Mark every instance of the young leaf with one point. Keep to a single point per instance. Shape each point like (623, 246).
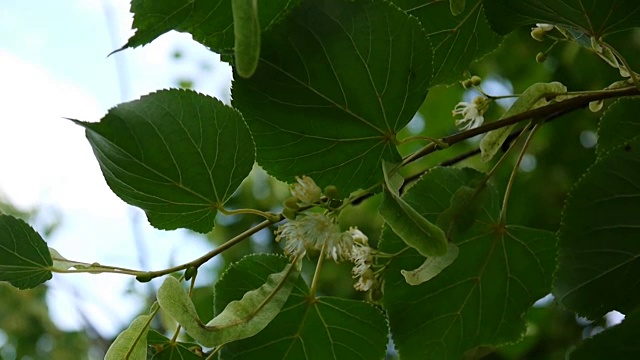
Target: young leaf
(431, 267)
(306, 328)
(531, 98)
(481, 298)
(416, 231)
(176, 154)
(131, 344)
(337, 80)
(597, 19)
(240, 319)
(25, 261)
(246, 30)
(457, 41)
(599, 247)
(619, 124)
(210, 22)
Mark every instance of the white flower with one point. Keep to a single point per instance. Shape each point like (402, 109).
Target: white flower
(540, 31)
(543, 26)
(365, 282)
(362, 258)
(306, 190)
(472, 113)
(314, 232)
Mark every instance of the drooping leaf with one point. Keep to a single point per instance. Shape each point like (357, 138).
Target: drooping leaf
(307, 327)
(336, 81)
(210, 22)
(416, 231)
(594, 17)
(481, 298)
(600, 237)
(531, 98)
(162, 348)
(431, 267)
(246, 31)
(457, 39)
(176, 154)
(131, 344)
(619, 124)
(25, 261)
(240, 319)
(618, 342)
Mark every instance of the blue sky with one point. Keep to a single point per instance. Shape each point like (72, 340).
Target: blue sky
(54, 64)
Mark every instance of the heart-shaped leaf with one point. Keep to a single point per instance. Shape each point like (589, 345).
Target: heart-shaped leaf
(176, 154)
(25, 261)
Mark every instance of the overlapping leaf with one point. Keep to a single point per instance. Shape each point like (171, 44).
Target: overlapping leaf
(480, 298)
(131, 344)
(618, 342)
(210, 22)
(600, 237)
(162, 348)
(176, 154)
(307, 328)
(25, 261)
(457, 40)
(619, 124)
(336, 81)
(593, 17)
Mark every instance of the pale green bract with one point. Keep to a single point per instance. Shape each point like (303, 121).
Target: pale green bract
(131, 344)
(240, 319)
(246, 29)
(431, 267)
(531, 98)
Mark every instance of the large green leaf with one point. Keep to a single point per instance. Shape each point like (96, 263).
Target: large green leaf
(210, 22)
(618, 342)
(162, 348)
(457, 40)
(481, 298)
(593, 17)
(176, 154)
(240, 319)
(25, 260)
(306, 328)
(600, 237)
(619, 124)
(337, 80)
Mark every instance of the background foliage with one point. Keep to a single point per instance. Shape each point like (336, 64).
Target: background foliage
(342, 86)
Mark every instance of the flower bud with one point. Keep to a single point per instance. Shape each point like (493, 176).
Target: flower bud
(596, 106)
(331, 192)
(466, 83)
(190, 273)
(289, 213)
(475, 80)
(291, 203)
(541, 57)
(538, 34)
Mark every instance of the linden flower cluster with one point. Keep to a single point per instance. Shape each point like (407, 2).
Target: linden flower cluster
(320, 232)
(472, 113)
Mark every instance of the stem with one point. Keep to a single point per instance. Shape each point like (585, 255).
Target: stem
(316, 274)
(423, 137)
(507, 192)
(264, 214)
(549, 112)
(214, 352)
(208, 256)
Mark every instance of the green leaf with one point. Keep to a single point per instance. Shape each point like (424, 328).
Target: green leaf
(25, 261)
(162, 348)
(246, 30)
(531, 98)
(431, 267)
(240, 319)
(618, 342)
(594, 17)
(131, 344)
(210, 22)
(599, 247)
(176, 154)
(457, 40)
(456, 6)
(416, 231)
(336, 82)
(306, 328)
(482, 297)
(619, 124)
